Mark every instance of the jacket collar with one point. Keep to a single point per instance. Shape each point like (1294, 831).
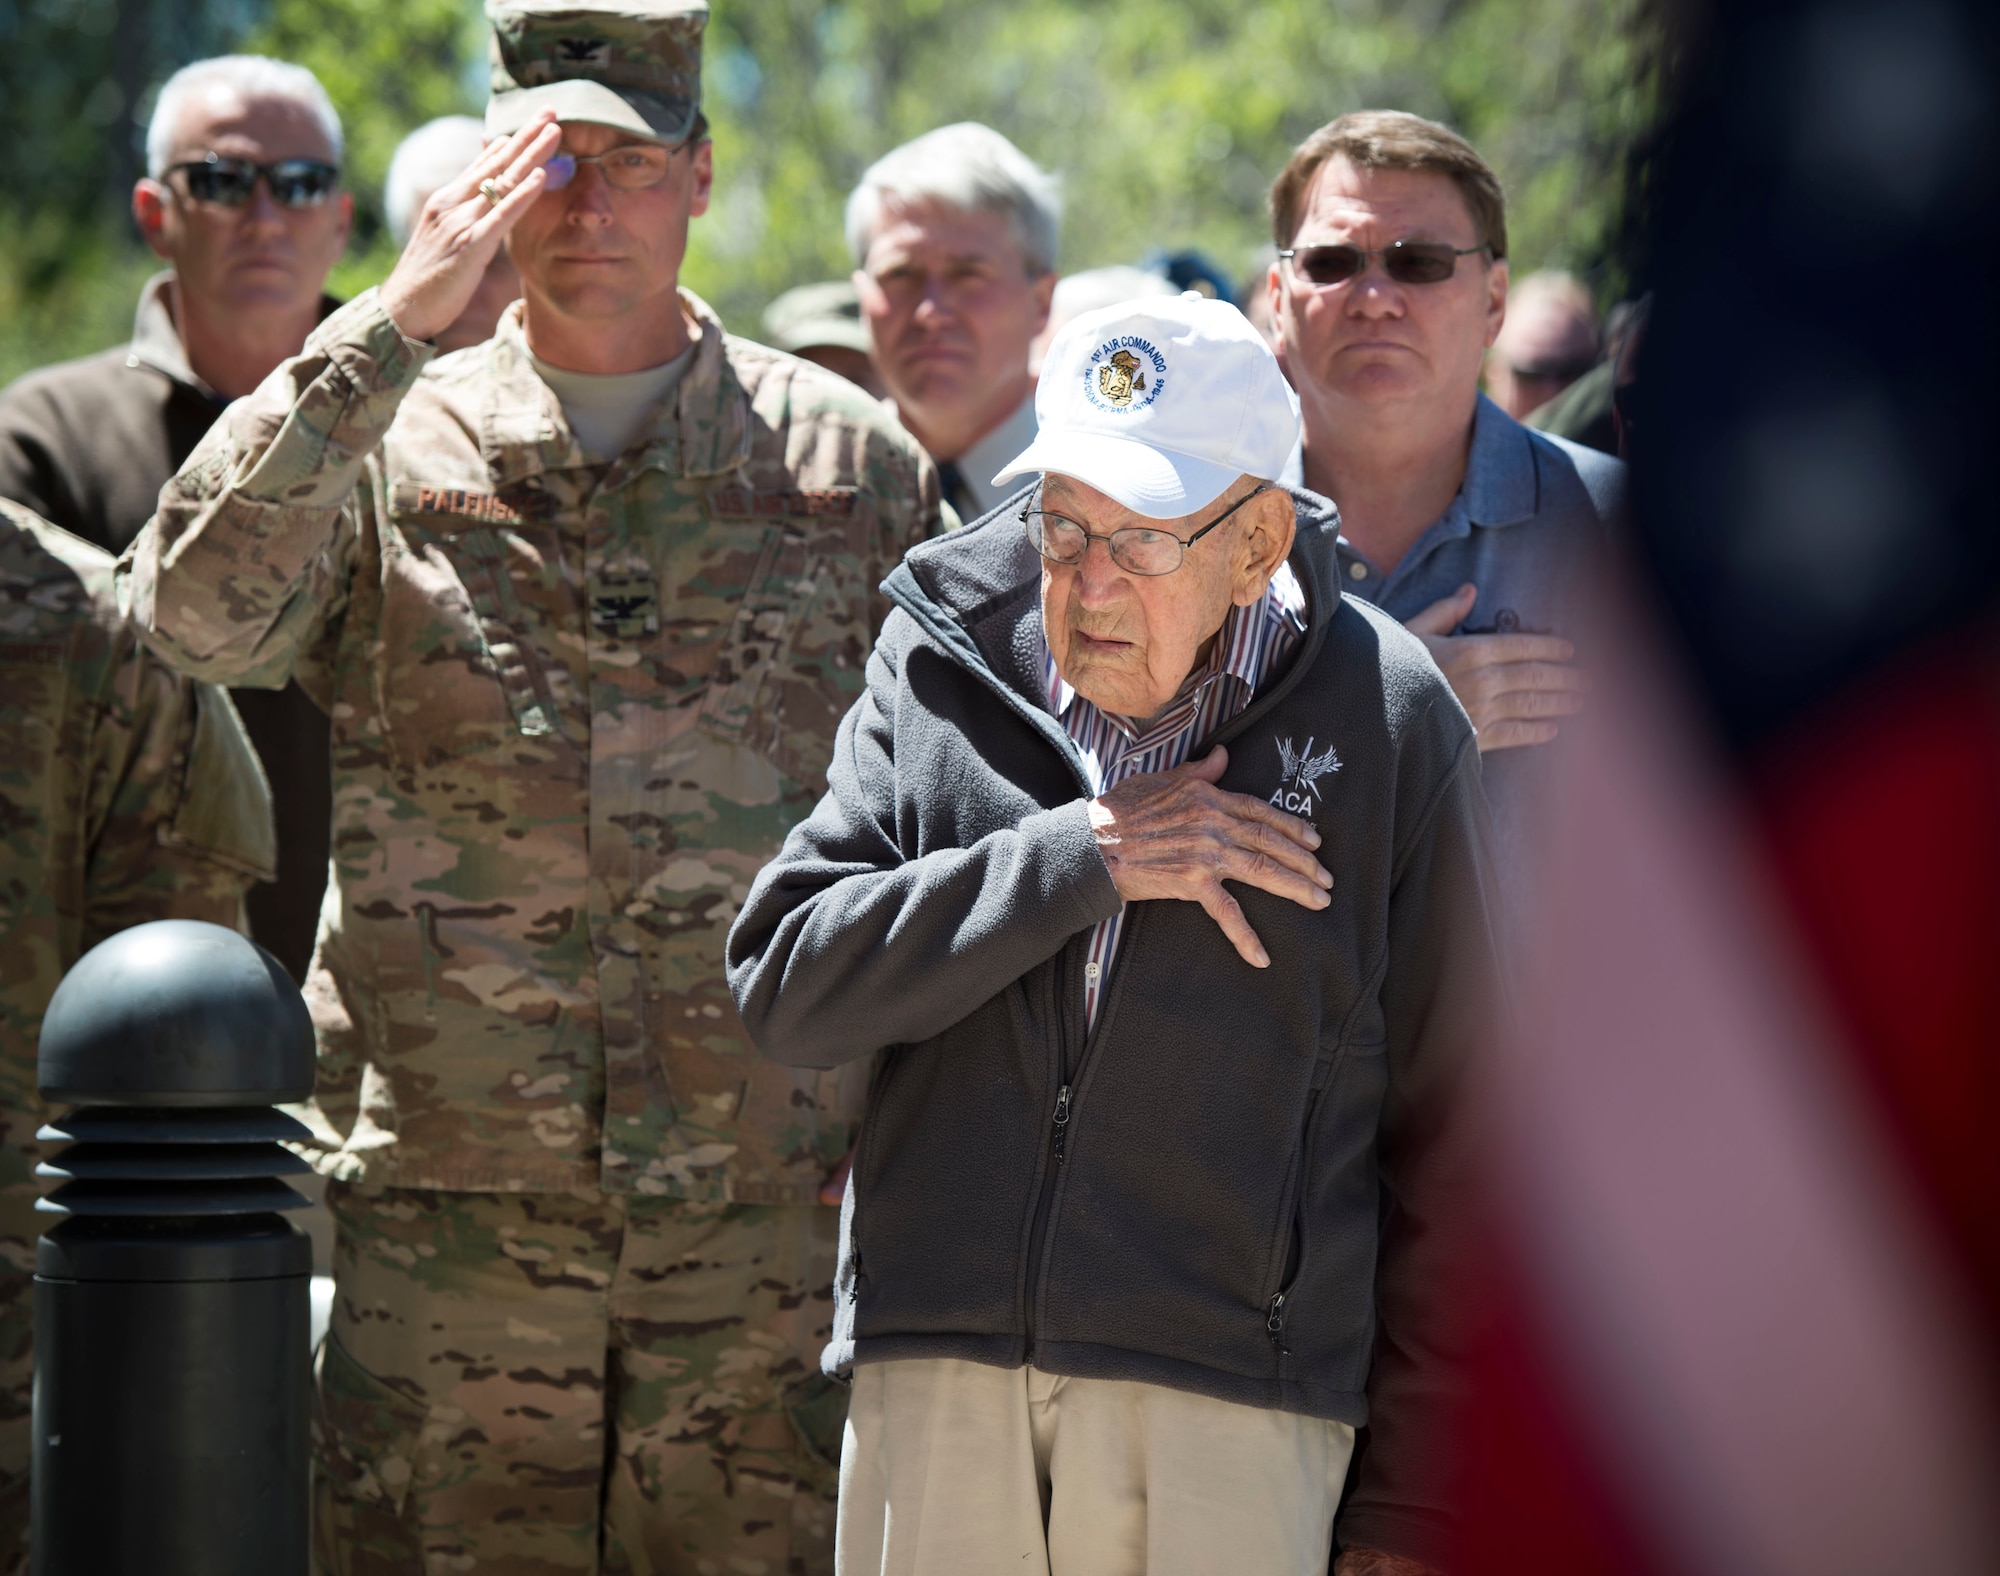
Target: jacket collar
(156, 343)
(703, 430)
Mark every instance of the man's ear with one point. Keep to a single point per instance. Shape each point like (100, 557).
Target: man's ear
(1496, 300)
(346, 219)
(1274, 285)
(703, 178)
(1269, 525)
(149, 212)
(1045, 295)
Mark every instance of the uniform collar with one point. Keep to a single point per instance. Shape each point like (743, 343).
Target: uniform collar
(701, 429)
(156, 343)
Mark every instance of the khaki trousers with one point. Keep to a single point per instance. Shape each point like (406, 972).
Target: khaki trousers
(953, 1468)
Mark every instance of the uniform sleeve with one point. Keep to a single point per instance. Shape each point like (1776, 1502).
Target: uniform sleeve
(179, 813)
(246, 564)
(1441, 998)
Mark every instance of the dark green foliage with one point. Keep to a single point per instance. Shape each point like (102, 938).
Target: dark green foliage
(1167, 118)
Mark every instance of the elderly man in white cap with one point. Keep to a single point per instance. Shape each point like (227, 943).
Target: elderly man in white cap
(1153, 877)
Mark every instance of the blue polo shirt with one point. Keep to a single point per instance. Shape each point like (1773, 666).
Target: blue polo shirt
(1531, 514)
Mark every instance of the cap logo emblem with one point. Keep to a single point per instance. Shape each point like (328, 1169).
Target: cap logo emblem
(1124, 374)
(583, 51)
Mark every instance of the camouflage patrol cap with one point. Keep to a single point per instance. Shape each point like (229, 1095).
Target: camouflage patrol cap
(632, 64)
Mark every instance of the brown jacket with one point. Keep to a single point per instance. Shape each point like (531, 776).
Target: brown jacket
(88, 444)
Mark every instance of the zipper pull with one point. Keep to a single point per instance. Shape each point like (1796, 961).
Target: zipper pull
(1274, 1322)
(1061, 1119)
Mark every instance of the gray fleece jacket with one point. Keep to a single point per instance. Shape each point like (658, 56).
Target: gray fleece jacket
(1239, 1182)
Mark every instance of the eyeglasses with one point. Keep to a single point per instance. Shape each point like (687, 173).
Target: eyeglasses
(1406, 262)
(631, 166)
(293, 183)
(1138, 549)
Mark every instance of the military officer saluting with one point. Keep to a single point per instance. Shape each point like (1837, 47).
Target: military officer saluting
(585, 603)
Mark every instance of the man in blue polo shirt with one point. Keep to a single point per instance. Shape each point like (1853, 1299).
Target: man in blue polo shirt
(1390, 284)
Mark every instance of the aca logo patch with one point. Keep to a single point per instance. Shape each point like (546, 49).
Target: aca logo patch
(1124, 374)
(1299, 772)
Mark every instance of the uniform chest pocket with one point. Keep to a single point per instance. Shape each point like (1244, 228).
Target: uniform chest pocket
(503, 631)
(742, 704)
(466, 595)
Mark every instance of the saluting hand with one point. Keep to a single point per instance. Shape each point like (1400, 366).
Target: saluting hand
(1511, 686)
(461, 227)
(1175, 834)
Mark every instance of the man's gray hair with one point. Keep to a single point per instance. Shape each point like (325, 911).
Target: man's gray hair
(967, 166)
(438, 151)
(249, 77)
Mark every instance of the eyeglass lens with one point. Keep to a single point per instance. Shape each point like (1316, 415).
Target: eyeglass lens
(632, 167)
(1406, 262)
(294, 183)
(1142, 551)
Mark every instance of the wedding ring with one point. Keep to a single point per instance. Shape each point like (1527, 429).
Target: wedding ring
(490, 190)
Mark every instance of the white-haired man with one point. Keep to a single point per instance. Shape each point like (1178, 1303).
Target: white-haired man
(954, 240)
(1152, 880)
(438, 151)
(242, 198)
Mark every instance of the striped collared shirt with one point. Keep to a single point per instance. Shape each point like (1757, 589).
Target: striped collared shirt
(1253, 640)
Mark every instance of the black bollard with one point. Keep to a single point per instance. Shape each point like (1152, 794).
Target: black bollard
(172, 1376)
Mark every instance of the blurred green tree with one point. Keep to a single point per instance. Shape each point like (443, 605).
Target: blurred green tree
(388, 66)
(1167, 119)
(77, 83)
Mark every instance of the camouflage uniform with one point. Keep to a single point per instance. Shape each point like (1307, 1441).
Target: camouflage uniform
(126, 794)
(576, 707)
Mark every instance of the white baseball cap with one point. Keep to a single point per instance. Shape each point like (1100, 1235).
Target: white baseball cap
(1161, 404)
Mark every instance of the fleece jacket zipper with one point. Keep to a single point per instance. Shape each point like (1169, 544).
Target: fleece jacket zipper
(939, 622)
(1059, 1119)
(903, 589)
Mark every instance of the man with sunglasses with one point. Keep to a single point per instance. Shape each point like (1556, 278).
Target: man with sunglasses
(586, 603)
(242, 199)
(1152, 878)
(1389, 287)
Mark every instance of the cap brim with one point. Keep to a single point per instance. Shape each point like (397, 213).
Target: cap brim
(647, 115)
(1157, 483)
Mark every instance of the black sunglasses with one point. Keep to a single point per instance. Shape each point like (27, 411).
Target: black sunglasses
(1406, 262)
(294, 183)
(1137, 549)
